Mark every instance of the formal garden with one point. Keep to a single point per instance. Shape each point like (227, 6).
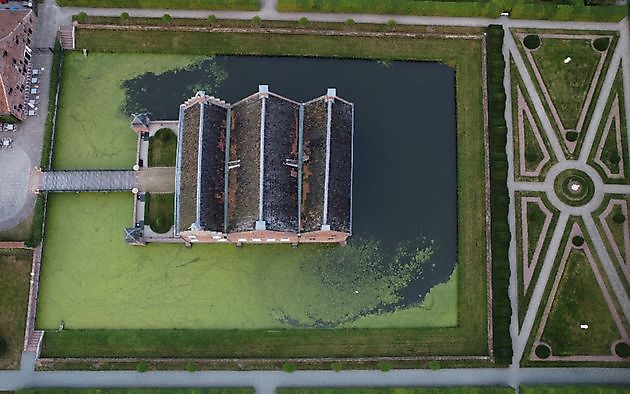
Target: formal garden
(571, 197)
(189, 301)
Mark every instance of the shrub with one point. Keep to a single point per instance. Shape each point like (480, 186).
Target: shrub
(601, 44)
(256, 21)
(192, 367)
(577, 240)
(124, 17)
(619, 218)
(384, 366)
(142, 367)
(434, 365)
(622, 349)
(543, 351)
(337, 367)
(391, 24)
(571, 136)
(531, 41)
(350, 22)
(3, 346)
(212, 19)
(82, 17)
(166, 18)
(303, 21)
(289, 367)
(614, 158)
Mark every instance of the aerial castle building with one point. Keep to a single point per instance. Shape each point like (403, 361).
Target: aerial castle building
(265, 169)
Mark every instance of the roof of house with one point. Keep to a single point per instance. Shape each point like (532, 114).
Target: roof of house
(16, 29)
(284, 166)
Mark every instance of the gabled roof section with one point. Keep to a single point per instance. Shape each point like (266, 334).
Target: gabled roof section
(244, 175)
(280, 200)
(314, 164)
(340, 168)
(187, 166)
(212, 170)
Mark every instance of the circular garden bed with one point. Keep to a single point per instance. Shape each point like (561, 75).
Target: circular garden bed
(574, 187)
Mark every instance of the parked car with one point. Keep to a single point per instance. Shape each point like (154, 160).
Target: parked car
(27, 4)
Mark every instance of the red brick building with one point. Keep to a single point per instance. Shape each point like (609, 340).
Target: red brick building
(16, 42)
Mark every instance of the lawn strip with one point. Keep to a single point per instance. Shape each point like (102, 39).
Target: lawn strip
(239, 5)
(163, 148)
(490, 9)
(396, 390)
(159, 210)
(15, 272)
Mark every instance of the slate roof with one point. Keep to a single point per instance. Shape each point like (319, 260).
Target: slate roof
(273, 143)
(16, 32)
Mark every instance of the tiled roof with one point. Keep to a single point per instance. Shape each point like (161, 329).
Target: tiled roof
(287, 163)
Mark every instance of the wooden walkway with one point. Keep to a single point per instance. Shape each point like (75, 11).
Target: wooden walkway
(152, 180)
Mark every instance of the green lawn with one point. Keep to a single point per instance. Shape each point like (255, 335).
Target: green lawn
(397, 390)
(92, 132)
(159, 211)
(568, 83)
(108, 284)
(163, 148)
(15, 272)
(611, 155)
(579, 300)
(574, 390)
(533, 153)
(239, 390)
(241, 5)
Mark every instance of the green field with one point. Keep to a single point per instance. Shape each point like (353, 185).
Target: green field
(242, 5)
(108, 284)
(15, 272)
(238, 390)
(92, 132)
(574, 390)
(397, 390)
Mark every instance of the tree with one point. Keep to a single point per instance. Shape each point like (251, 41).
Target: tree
(391, 24)
(124, 17)
(303, 21)
(256, 20)
(350, 22)
(3, 346)
(212, 19)
(82, 17)
(166, 18)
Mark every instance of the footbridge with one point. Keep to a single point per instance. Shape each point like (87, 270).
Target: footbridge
(154, 180)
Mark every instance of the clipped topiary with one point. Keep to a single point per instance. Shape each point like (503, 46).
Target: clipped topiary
(142, 367)
(619, 218)
(192, 367)
(577, 240)
(256, 21)
(391, 24)
(124, 17)
(571, 136)
(82, 17)
(212, 19)
(167, 18)
(337, 367)
(3, 346)
(531, 41)
(350, 22)
(384, 366)
(614, 158)
(601, 44)
(622, 349)
(543, 351)
(289, 367)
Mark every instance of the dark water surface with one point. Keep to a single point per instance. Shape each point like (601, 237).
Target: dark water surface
(405, 181)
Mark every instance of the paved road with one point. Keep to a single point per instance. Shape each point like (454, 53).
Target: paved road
(266, 381)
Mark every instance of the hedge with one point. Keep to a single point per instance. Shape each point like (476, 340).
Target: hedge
(502, 310)
(486, 9)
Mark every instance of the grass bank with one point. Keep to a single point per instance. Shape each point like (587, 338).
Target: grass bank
(231, 390)
(15, 272)
(486, 9)
(396, 390)
(237, 5)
